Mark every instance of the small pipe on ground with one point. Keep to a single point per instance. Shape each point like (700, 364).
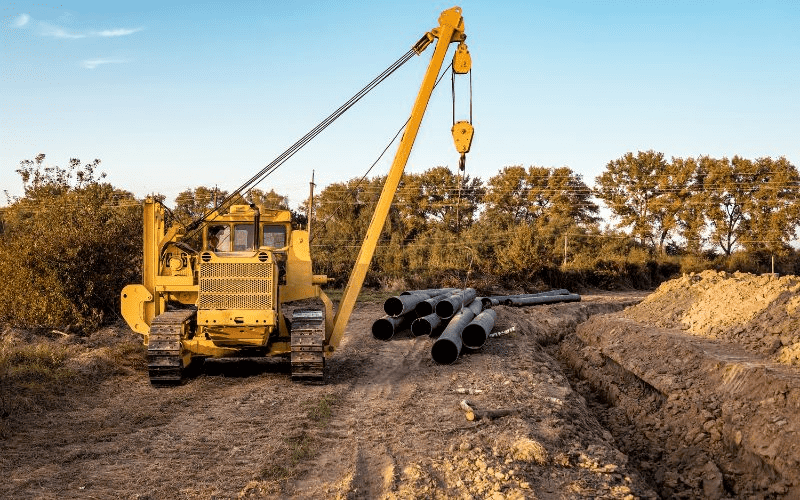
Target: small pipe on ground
(447, 347)
(542, 299)
(475, 334)
(426, 325)
(449, 306)
(504, 332)
(385, 327)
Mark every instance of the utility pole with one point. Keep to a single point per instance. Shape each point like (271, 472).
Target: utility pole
(565, 250)
(310, 210)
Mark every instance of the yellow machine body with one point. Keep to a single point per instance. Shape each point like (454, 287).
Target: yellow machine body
(225, 298)
(236, 284)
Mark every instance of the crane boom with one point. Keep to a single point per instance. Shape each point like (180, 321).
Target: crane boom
(450, 29)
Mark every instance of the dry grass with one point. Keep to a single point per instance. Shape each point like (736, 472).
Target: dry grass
(39, 369)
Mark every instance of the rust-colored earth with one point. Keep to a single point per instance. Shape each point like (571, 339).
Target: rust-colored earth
(659, 400)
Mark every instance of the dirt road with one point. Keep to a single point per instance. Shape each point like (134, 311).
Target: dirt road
(387, 425)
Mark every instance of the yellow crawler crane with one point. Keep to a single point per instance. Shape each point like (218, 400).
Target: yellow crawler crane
(226, 298)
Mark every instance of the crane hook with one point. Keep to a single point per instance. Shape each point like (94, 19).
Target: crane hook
(462, 137)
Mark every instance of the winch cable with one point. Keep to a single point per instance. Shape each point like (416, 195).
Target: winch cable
(294, 148)
(354, 190)
(461, 167)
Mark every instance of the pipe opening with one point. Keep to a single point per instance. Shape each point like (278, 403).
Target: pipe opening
(393, 306)
(424, 308)
(473, 336)
(421, 326)
(444, 352)
(382, 329)
(445, 309)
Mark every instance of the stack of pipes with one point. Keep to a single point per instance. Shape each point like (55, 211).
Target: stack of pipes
(467, 319)
(398, 310)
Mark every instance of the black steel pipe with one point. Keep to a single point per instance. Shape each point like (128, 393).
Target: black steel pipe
(489, 302)
(501, 298)
(403, 304)
(543, 299)
(430, 292)
(447, 347)
(476, 306)
(387, 326)
(426, 325)
(427, 307)
(475, 334)
(450, 306)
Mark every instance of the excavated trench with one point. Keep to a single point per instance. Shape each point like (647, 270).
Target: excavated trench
(697, 417)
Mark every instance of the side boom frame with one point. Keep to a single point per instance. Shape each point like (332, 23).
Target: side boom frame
(451, 29)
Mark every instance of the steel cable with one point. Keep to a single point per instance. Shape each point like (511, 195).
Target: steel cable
(294, 148)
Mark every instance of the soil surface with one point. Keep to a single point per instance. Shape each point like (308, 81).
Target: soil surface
(686, 395)
(700, 384)
(387, 425)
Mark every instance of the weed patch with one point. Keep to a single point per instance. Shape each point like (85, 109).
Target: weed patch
(321, 412)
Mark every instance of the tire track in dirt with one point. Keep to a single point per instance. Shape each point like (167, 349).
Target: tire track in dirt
(368, 403)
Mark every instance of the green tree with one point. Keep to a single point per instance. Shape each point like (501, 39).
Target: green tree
(772, 210)
(70, 244)
(730, 186)
(686, 185)
(192, 204)
(637, 190)
(521, 196)
(438, 198)
(268, 199)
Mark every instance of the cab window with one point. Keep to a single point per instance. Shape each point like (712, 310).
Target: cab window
(219, 238)
(242, 237)
(274, 236)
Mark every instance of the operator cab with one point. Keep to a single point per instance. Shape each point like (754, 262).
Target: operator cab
(235, 231)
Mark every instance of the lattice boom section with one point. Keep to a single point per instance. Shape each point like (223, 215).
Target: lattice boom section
(236, 285)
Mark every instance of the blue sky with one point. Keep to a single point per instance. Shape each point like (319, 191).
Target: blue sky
(172, 95)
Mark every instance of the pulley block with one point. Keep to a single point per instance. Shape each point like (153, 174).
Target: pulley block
(462, 136)
(462, 62)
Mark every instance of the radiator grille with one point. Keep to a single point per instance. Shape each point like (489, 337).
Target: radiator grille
(235, 285)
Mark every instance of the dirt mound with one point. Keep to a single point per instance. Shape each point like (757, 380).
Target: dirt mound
(760, 313)
(699, 385)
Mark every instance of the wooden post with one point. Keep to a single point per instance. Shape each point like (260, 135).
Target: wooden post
(310, 211)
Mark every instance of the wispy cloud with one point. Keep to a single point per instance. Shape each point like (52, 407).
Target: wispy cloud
(93, 63)
(22, 20)
(47, 29)
(117, 32)
(57, 32)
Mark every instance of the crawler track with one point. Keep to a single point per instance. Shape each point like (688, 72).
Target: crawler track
(308, 338)
(164, 350)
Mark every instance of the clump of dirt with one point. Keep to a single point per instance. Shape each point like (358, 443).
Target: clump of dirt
(760, 313)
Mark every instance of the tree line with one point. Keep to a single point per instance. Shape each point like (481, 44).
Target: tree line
(73, 240)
